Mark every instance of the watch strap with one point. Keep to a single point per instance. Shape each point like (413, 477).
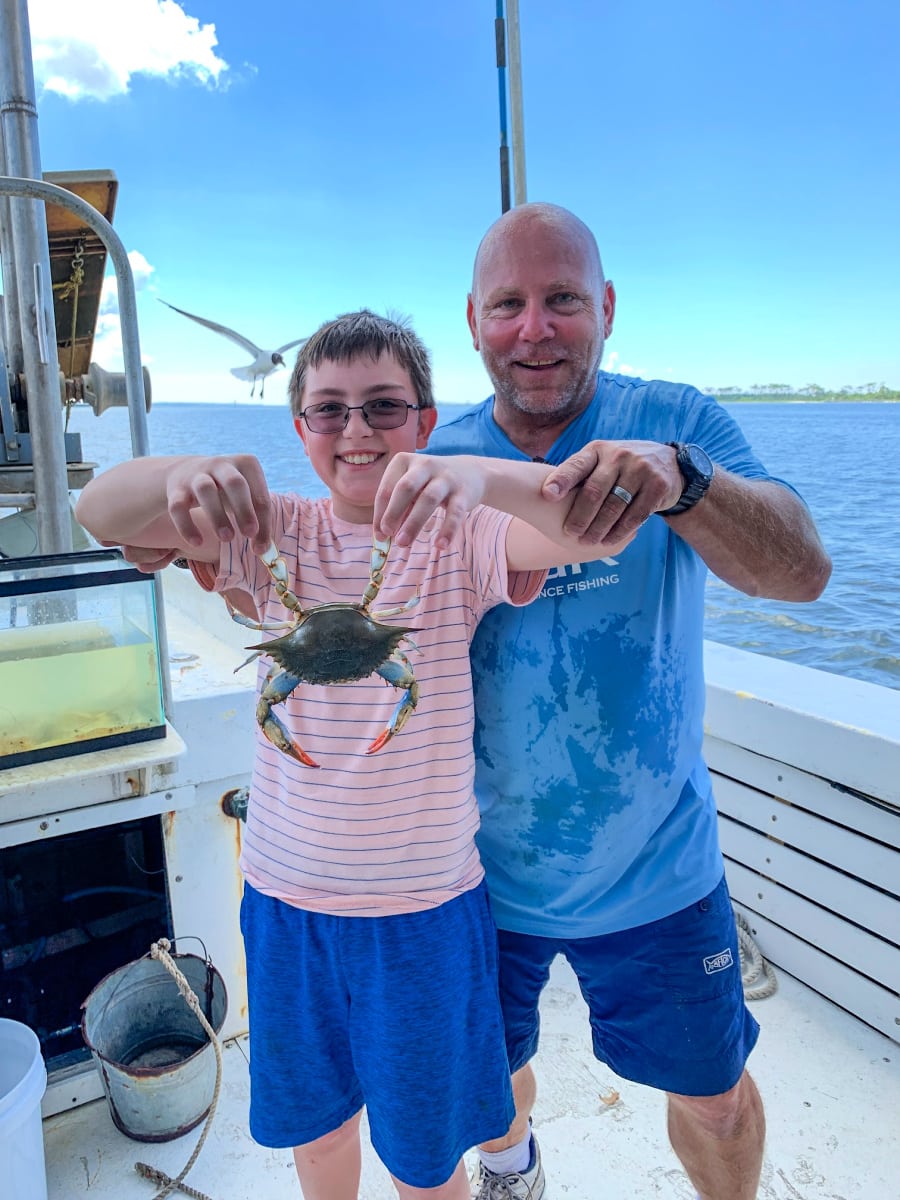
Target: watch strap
(695, 485)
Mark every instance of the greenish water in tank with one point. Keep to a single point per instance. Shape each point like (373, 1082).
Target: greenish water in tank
(79, 657)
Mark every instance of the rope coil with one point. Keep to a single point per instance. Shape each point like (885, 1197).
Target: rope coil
(757, 976)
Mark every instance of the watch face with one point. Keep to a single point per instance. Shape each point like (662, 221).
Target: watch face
(700, 460)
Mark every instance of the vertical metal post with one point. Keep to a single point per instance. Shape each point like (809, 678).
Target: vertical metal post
(33, 283)
(517, 122)
(11, 329)
(500, 39)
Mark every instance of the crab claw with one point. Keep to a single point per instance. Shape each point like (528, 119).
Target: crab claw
(382, 740)
(400, 674)
(279, 736)
(277, 688)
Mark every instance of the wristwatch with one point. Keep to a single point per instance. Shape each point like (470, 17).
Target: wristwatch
(697, 470)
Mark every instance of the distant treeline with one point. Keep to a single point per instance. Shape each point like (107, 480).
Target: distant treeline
(812, 391)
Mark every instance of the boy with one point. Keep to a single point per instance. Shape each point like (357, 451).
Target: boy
(399, 1011)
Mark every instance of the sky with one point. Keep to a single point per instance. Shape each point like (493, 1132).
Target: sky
(283, 161)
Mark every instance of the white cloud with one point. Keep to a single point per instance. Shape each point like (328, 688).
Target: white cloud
(615, 367)
(107, 350)
(92, 48)
(140, 269)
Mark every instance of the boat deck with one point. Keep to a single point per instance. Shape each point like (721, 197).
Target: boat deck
(831, 1086)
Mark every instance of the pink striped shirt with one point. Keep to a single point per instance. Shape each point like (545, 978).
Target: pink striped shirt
(391, 832)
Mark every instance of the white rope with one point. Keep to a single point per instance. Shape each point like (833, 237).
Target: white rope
(757, 976)
(160, 951)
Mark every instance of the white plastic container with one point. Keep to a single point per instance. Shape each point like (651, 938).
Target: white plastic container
(23, 1080)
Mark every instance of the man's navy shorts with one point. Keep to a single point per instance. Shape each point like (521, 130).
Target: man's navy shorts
(666, 999)
(398, 1013)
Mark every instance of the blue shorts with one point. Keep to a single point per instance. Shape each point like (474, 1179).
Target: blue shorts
(398, 1013)
(666, 999)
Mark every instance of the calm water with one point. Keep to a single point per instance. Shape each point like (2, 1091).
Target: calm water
(843, 458)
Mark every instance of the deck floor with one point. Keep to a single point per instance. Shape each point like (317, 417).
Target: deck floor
(831, 1087)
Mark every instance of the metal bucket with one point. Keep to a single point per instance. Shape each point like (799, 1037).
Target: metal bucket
(155, 1060)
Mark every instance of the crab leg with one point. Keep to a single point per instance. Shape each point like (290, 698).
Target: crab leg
(381, 548)
(277, 688)
(277, 568)
(250, 624)
(395, 612)
(398, 672)
(264, 625)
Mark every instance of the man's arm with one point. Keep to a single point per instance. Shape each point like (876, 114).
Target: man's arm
(186, 504)
(754, 534)
(758, 536)
(415, 485)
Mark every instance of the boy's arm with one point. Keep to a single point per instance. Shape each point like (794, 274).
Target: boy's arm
(188, 504)
(415, 485)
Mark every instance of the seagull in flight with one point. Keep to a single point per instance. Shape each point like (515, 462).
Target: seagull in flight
(264, 361)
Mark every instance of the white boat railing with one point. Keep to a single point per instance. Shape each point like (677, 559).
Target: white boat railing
(809, 808)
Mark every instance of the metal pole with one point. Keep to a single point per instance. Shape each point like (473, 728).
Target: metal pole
(11, 328)
(500, 39)
(131, 352)
(33, 283)
(517, 123)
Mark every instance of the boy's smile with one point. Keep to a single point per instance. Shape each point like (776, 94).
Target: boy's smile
(351, 461)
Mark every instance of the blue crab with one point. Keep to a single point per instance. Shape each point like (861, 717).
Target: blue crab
(332, 643)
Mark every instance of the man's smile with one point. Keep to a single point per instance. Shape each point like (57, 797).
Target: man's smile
(538, 364)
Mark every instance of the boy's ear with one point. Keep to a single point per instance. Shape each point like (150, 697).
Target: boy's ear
(300, 426)
(427, 421)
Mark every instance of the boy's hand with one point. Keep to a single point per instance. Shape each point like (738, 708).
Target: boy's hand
(148, 560)
(414, 486)
(144, 558)
(232, 493)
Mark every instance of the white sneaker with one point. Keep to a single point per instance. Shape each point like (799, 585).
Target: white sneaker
(529, 1185)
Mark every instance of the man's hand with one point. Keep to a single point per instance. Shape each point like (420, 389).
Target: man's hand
(647, 471)
(414, 486)
(231, 492)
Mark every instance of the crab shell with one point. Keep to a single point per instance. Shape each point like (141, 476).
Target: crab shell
(335, 643)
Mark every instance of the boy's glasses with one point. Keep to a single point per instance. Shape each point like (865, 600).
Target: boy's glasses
(332, 417)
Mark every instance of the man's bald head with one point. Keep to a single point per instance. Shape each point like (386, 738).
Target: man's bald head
(524, 221)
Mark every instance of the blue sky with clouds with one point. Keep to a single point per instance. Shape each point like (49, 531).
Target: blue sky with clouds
(283, 161)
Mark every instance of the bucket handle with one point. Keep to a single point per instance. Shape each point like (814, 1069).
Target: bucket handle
(210, 977)
(189, 937)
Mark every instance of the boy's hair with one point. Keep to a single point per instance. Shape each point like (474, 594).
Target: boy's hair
(364, 334)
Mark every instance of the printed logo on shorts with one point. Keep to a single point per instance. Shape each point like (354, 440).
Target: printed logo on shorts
(718, 962)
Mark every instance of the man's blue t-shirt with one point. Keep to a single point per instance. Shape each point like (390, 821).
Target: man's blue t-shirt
(596, 806)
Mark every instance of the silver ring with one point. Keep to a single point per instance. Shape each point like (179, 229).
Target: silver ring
(624, 495)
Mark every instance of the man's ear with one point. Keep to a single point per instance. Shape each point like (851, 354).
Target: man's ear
(300, 426)
(427, 421)
(609, 308)
(473, 324)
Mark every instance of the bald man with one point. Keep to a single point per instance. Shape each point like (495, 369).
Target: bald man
(599, 830)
